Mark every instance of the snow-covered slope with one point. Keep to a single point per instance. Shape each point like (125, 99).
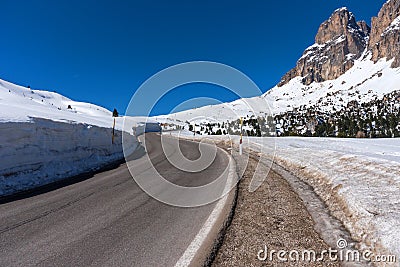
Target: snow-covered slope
(221, 112)
(363, 82)
(21, 104)
(45, 137)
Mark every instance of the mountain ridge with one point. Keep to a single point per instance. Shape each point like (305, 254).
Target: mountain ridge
(341, 39)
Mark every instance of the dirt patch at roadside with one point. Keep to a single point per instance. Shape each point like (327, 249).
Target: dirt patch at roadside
(273, 216)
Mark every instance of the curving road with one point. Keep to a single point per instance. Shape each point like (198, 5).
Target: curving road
(107, 220)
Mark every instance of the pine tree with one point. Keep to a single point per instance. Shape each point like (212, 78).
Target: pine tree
(115, 113)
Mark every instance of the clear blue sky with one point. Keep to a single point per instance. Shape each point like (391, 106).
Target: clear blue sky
(102, 51)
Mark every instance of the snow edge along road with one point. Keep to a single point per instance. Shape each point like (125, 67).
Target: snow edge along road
(43, 152)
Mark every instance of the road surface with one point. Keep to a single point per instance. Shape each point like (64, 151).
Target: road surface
(106, 220)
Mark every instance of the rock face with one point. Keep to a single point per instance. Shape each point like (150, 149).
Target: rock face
(339, 41)
(385, 34)
(364, 27)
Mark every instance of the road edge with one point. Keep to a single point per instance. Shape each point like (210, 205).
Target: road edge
(203, 248)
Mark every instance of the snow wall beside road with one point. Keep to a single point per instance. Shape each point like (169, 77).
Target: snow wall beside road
(43, 151)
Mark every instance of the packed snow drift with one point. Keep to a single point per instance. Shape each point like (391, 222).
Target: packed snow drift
(358, 179)
(45, 137)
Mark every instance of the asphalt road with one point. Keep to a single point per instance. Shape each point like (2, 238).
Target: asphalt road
(107, 220)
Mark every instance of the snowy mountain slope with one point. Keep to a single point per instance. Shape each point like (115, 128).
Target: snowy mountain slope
(364, 82)
(45, 137)
(20, 104)
(221, 112)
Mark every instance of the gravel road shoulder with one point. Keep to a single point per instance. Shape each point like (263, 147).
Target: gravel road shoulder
(273, 216)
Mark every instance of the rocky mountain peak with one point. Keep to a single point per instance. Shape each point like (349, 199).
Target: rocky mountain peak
(339, 41)
(340, 23)
(385, 33)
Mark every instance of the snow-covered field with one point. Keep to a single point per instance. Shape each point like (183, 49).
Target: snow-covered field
(45, 137)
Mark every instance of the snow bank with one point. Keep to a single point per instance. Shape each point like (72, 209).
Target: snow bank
(43, 151)
(45, 137)
(358, 179)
